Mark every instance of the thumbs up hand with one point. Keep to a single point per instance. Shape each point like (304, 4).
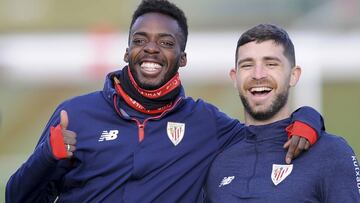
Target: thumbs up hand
(69, 136)
(62, 140)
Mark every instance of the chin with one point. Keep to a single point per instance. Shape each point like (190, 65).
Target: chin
(150, 86)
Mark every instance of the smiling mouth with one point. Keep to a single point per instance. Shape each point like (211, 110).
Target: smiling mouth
(259, 91)
(150, 66)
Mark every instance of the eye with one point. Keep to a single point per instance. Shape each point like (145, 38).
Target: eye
(272, 65)
(167, 43)
(138, 41)
(246, 65)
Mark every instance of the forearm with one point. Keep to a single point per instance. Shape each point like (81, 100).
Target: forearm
(29, 182)
(310, 117)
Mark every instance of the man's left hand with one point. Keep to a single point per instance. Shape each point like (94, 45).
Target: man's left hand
(295, 145)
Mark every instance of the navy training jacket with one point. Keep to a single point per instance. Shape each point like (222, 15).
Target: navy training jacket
(110, 164)
(253, 170)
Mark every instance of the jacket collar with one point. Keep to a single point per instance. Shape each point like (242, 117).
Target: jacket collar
(269, 131)
(109, 90)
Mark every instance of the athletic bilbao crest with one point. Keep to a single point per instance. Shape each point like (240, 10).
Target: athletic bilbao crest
(175, 132)
(280, 172)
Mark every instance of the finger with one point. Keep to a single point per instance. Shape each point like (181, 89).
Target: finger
(69, 140)
(297, 152)
(287, 144)
(64, 121)
(307, 145)
(300, 147)
(70, 154)
(291, 150)
(69, 133)
(302, 143)
(70, 148)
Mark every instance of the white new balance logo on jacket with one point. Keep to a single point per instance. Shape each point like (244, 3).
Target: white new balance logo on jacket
(111, 135)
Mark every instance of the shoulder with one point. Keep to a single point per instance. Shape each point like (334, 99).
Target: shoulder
(200, 103)
(94, 102)
(85, 99)
(334, 151)
(334, 144)
(210, 111)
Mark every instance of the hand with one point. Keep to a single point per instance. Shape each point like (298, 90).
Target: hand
(295, 145)
(69, 136)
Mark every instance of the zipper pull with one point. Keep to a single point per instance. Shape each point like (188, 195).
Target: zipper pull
(141, 132)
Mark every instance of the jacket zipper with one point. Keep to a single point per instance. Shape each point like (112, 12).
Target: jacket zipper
(141, 126)
(255, 166)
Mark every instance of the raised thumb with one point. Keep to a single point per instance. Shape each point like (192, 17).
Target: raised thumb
(64, 121)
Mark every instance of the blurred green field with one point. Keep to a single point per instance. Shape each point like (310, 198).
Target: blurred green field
(25, 110)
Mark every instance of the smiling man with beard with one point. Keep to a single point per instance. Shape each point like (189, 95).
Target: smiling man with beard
(253, 169)
(140, 139)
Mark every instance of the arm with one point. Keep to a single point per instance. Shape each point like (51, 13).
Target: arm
(34, 180)
(228, 130)
(341, 174)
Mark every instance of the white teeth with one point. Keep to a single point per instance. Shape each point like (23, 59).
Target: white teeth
(260, 89)
(150, 65)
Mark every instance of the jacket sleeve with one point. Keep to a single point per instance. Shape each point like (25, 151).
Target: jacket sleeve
(341, 174)
(228, 130)
(34, 180)
(310, 117)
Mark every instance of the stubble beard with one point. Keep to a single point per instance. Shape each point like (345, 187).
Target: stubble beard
(279, 102)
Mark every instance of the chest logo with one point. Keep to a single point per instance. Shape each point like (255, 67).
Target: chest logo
(108, 135)
(175, 132)
(280, 172)
(226, 180)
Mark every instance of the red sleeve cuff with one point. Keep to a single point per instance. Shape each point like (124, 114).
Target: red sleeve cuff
(303, 130)
(57, 142)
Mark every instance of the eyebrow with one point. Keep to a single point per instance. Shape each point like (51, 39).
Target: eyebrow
(245, 60)
(272, 58)
(160, 34)
(266, 58)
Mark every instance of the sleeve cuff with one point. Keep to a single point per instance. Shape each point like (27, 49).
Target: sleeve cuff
(57, 143)
(303, 130)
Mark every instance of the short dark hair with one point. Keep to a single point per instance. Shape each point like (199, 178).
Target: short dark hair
(264, 32)
(164, 7)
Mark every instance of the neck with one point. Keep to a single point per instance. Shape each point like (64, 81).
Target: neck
(280, 115)
(147, 101)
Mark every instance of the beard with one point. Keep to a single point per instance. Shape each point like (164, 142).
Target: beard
(279, 102)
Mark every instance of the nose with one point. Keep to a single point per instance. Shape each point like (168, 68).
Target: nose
(259, 72)
(151, 47)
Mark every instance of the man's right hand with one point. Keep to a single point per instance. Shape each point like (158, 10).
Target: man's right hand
(62, 140)
(69, 136)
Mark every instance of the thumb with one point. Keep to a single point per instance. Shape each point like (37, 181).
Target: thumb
(64, 121)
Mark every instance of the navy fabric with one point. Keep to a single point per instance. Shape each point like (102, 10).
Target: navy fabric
(124, 169)
(326, 173)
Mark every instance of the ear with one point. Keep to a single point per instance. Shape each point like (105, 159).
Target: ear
(126, 55)
(232, 75)
(294, 76)
(183, 59)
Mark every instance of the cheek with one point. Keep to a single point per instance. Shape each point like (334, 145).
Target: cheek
(240, 85)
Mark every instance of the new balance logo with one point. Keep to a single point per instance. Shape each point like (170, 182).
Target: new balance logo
(226, 180)
(111, 135)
